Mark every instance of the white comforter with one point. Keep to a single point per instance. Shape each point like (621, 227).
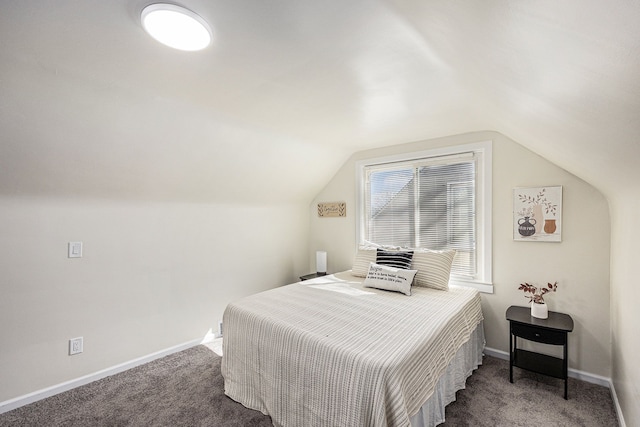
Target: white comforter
(328, 352)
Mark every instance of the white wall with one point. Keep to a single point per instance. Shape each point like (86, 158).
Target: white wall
(625, 294)
(154, 275)
(580, 263)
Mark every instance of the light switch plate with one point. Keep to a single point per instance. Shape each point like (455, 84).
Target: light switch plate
(75, 249)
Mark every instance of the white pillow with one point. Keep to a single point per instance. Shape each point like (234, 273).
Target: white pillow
(389, 278)
(364, 257)
(434, 268)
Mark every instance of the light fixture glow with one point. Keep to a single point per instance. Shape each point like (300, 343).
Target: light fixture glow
(176, 26)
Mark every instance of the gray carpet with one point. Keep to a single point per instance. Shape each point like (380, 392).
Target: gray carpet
(183, 389)
(489, 399)
(186, 389)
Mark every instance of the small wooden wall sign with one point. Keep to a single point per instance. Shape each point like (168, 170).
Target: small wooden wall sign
(335, 209)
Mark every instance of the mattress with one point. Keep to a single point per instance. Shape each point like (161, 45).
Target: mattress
(331, 352)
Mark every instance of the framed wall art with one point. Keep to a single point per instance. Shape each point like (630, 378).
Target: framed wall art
(537, 214)
(333, 209)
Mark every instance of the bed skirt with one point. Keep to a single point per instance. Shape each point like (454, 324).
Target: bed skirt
(466, 360)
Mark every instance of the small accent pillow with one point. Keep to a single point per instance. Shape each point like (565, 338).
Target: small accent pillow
(389, 278)
(434, 268)
(396, 259)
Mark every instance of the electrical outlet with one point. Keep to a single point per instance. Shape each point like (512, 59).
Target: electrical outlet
(220, 328)
(75, 346)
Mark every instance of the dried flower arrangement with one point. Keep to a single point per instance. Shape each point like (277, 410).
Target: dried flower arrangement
(536, 296)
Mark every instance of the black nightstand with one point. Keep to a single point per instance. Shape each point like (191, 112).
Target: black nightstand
(312, 276)
(552, 330)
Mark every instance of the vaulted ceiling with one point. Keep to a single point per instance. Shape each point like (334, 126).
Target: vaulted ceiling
(90, 105)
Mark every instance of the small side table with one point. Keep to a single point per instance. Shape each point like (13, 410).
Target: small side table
(552, 330)
(311, 276)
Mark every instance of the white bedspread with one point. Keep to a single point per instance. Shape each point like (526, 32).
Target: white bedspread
(343, 355)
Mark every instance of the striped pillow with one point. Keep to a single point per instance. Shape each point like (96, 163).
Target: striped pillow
(397, 259)
(364, 258)
(434, 268)
(367, 254)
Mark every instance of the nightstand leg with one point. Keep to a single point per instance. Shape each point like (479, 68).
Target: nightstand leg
(565, 366)
(510, 357)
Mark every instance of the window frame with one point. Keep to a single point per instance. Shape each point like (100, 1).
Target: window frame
(483, 280)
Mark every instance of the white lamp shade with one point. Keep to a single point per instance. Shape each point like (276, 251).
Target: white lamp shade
(321, 262)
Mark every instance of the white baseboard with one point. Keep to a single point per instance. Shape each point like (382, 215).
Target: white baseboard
(26, 399)
(573, 373)
(617, 405)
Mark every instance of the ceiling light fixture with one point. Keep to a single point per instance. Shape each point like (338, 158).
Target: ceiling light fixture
(176, 26)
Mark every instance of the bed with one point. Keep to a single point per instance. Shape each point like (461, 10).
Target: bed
(331, 352)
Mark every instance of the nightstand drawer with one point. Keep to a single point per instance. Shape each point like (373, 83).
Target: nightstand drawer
(534, 333)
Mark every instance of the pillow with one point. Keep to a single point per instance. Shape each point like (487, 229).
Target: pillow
(389, 278)
(434, 268)
(364, 257)
(370, 245)
(396, 259)
(367, 254)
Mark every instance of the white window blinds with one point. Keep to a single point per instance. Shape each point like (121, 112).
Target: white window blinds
(425, 203)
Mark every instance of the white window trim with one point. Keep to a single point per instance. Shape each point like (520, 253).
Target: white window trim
(484, 182)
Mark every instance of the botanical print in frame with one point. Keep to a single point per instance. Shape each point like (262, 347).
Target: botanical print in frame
(537, 214)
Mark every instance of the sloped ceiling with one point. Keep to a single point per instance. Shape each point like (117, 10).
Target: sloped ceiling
(92, 106)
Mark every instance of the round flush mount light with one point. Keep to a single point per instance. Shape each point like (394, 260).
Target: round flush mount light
(176, 26)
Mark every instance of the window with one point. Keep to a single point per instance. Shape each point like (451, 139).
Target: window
(437, 200)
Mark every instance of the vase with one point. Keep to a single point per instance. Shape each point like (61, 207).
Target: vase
(549, 226)
(526, 226)
(540, 311)
(537, 215)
